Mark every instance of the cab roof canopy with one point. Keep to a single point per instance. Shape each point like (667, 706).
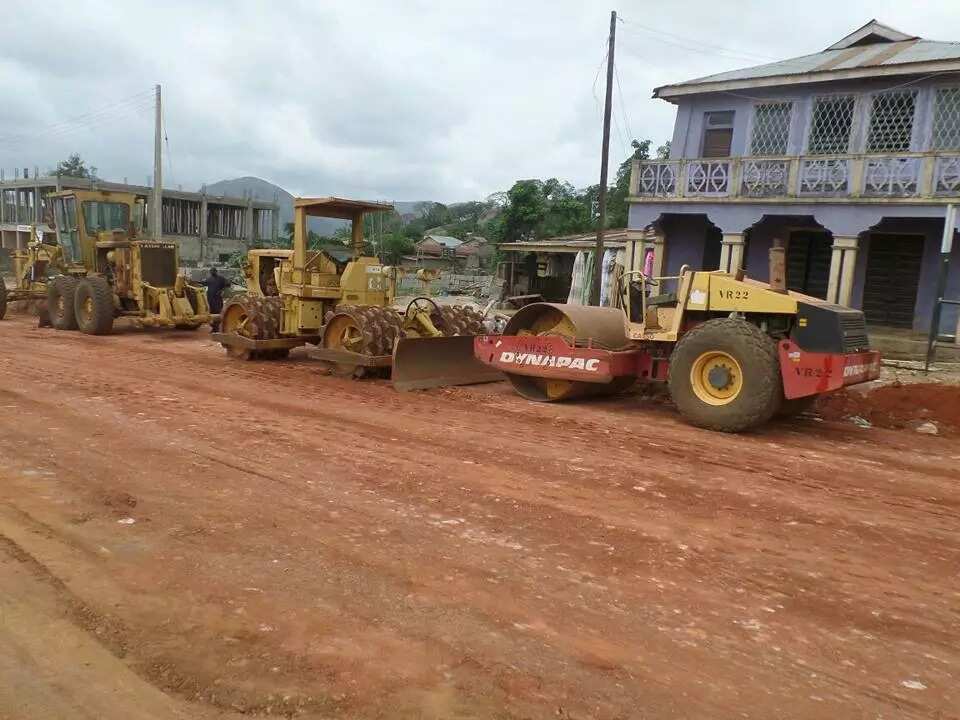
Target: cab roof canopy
(334, 207)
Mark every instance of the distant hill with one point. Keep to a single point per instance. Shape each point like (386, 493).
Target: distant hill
(263, 190)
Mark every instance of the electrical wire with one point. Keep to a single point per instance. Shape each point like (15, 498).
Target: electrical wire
(623, 106)
(693, 44)
(166, 140)
(81, 122)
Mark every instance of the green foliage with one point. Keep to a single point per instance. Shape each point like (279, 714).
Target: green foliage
(74, 166)
(534, 209)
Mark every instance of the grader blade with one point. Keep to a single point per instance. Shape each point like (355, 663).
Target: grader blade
(421, 363)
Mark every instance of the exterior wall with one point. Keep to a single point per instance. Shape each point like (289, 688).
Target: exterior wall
(686, 235)
(688, 127)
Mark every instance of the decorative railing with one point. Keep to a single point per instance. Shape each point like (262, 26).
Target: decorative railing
(764, 178)
(824, 176)
(659, 179)
(846, 177)
(708, 177)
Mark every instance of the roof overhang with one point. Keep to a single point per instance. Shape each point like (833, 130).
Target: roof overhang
(341, 208)
(671, 92)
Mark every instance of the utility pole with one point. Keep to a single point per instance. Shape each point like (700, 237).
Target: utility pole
(605, 152)
(156, 198)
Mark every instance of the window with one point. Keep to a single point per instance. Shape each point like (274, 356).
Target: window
(891, 121)
(830, 125)
(771, 128)
(946, 119)
(65, 210)
(106, 216)
(717, 134)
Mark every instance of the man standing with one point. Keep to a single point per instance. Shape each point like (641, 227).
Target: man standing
(215, 284)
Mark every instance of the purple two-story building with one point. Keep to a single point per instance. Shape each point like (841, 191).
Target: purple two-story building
(849, 156)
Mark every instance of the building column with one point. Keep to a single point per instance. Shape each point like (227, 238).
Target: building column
(843, 265)
(731, 253)
(204, 249)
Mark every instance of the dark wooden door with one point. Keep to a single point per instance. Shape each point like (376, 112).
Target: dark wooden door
(808, 263)
(893, 275)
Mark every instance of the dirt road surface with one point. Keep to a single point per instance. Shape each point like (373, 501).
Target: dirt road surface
(186, 536)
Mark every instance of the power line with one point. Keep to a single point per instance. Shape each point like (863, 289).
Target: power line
(87, 120)
(694, 45)
(83, 119)
(623, 106)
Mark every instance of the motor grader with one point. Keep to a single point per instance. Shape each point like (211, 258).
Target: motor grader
(31, 267)
(734, 352)
(344, 312)
(107, 272)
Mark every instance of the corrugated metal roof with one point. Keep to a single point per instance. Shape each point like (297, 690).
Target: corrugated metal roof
(880, 55)
(910, 51)
(445, 240)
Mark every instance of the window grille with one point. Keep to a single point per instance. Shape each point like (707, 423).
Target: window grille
(830, 125)
(891, 121)
(771, 128)
(946, 119)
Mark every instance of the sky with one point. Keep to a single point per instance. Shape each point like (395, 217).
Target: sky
(396, 100)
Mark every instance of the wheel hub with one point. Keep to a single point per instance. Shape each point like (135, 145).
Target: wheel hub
(716, 378)
(719, 377)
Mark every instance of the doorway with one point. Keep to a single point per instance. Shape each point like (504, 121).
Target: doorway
(893, 276)
(808, 262)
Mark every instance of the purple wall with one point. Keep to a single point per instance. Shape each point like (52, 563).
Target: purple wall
(686, 235)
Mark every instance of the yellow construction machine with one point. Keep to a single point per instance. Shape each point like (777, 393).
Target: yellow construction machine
(734, 352)
(344, 310)
(31, 268)
(105, 270)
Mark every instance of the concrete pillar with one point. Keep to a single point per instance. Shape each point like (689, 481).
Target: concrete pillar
(731, 252)
(203, 226)
(251, 231)
(843, 266)
(275, 224)
(850, 246)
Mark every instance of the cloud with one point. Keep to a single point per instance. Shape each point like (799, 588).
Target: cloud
(412, 100)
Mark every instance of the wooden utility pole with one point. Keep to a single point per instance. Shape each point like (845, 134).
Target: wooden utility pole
(156, 198)
(605, 152)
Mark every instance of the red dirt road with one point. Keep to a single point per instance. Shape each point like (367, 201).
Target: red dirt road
(259, 538)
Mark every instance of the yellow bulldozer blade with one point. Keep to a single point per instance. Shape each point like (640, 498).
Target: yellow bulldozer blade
(421, 363)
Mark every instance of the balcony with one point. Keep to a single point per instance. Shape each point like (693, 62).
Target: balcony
(904, 177)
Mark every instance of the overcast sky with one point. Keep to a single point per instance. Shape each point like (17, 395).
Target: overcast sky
(396, 100)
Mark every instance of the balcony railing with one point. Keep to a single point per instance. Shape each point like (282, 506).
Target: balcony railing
(905, 175)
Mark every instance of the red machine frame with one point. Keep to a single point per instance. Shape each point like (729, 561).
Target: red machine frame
(804, 373)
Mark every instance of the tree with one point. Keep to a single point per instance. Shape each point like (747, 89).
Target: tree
(525, 211)
(617, 199)
(74, 166)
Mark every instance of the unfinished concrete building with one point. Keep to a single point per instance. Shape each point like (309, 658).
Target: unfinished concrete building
(208, 228)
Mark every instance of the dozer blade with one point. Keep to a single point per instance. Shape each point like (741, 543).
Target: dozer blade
(421, 363)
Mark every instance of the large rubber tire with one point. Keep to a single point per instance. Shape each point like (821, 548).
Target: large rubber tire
(759, 387)
(3, 299)
(257, 318)
(61, 302)
(94, 306)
